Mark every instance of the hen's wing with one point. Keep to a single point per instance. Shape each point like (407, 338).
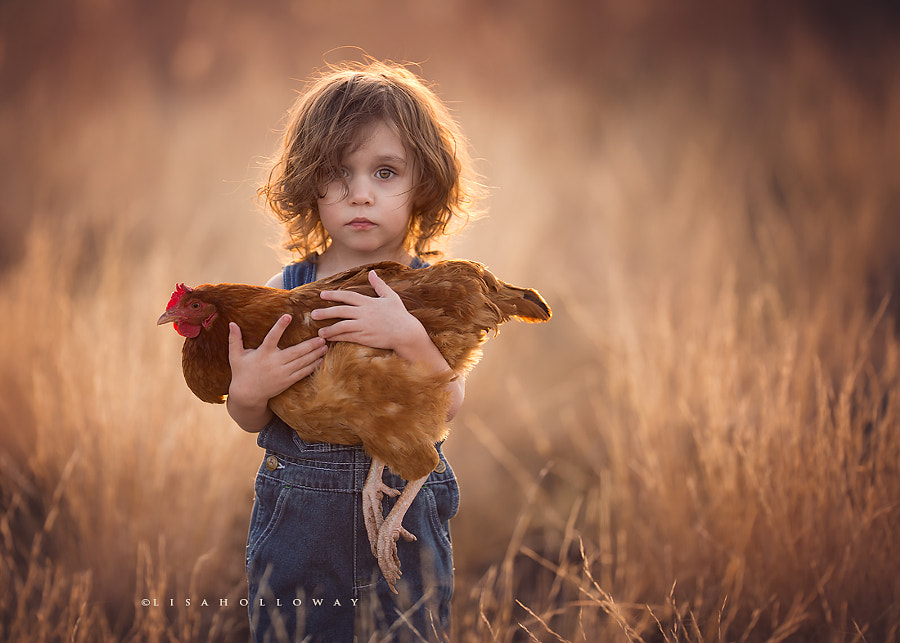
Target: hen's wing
(363, 395)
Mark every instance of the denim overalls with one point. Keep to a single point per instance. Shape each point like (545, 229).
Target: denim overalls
(310, 568)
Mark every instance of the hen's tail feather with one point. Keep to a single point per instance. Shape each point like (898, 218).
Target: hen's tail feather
(524, 304)
(532, 307)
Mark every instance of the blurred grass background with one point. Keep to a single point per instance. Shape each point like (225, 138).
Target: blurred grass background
(702, 445)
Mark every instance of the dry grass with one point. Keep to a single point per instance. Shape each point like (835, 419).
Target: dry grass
(702, 445)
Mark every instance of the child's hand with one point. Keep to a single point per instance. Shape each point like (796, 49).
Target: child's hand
(257, 375)
(378, 322)
(384, 322)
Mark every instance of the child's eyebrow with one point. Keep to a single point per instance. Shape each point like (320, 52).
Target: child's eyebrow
(391, 159)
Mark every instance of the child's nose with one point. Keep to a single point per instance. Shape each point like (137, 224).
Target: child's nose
(360, 191)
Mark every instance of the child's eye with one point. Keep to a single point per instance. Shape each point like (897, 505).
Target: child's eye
(331, 176)
(385, 173)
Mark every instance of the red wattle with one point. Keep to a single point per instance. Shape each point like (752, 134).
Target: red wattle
(187, 330)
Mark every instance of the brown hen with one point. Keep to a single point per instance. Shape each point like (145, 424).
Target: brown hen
(359, 395)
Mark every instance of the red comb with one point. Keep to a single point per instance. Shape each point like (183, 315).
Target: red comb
(180, 291)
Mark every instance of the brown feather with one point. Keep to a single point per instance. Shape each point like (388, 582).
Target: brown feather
(362, 395)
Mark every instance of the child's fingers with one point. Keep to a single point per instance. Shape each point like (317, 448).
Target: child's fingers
(342, 331)
(274, 335)
(305, 371)
(380, 285)
(336, 312)
(298, 351)
(306, 364)
(344, 296)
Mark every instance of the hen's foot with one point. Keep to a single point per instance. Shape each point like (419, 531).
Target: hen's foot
(372, 493)
(392, 529)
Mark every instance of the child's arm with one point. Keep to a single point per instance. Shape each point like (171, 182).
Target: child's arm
(384, 322)
(257, 375)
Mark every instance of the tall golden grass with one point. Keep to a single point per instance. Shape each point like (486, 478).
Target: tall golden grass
(701, 446)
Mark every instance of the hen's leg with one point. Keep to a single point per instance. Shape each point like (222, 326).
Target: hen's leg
(372, 493)
(392, 529)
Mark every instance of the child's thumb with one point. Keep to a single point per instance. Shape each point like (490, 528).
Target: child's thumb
(380, 285)
(234, 335)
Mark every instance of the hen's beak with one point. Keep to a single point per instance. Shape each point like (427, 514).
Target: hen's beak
(167, 318)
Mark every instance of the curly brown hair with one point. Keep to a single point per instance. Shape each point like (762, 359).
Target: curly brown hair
(325, 122)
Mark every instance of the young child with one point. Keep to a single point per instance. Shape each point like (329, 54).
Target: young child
(373, 169)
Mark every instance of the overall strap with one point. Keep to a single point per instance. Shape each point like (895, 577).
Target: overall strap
(298, 274)
(304, 272)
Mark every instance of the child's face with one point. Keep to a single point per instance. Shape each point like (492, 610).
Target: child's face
(372, 216)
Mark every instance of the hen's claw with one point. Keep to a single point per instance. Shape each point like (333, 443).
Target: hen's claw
(388, 560)
(391, 530)
(372, 493)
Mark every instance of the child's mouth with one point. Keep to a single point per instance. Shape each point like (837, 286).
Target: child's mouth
(361, 224)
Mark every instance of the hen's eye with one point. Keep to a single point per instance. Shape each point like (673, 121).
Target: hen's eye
(195, 305)
(384, 173)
